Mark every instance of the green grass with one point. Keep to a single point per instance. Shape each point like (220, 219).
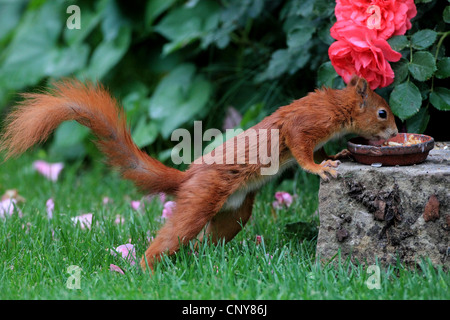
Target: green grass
(35, 252)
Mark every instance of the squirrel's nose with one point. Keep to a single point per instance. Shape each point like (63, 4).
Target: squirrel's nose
(394, 133)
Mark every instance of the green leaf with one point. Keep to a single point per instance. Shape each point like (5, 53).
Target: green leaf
(171, 91)
(155, 8)
(299, 36)
(326, 75)
(69, 133)
(68, 141)
(422, 65)
(107, 54)
(67, 60)
(398, 43)
(443, 68)
(254, 112)
(278, 64)
(145, 132)
(33, 47)
(405, 100)
(423, 39)
(446, 14)
(10, 13)
(440, 98)
(195, 100)
(178, 98)
(184, 25)
(418, 122)
(401, 71)
(113, 21)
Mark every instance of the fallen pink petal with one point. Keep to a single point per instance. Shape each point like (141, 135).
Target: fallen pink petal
(136, 205)
(149, 237)
(113, 267)
(7, 208)
(127, 251)
(26, 227)
(168, 209)
(283, 199)
(119, 219)
(50, 204)
(85, 220)
(49, 170)
(276, 205)
(106, 200)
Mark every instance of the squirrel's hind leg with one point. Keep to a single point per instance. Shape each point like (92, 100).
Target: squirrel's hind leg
(195, 206)
(227, 224)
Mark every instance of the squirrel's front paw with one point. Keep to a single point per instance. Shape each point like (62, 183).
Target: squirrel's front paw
(330, 163)
(344, 154)
(327, 169)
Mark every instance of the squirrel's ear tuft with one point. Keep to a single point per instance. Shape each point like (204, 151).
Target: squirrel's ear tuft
(360, 85)
(354, 80)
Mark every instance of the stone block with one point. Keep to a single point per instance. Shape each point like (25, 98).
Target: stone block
(387, 213)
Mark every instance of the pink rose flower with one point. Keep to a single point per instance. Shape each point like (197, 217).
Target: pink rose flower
(387, 17)
(169, 207)
(49, 170)
(358, 51)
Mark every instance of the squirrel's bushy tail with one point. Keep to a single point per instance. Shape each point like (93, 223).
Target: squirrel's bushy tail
(92, 106)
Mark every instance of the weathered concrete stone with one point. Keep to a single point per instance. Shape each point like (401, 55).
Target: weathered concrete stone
(387, 213)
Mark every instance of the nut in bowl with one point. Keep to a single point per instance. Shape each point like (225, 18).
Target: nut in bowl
(403, 149)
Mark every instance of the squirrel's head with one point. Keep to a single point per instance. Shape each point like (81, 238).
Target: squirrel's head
(373, 116)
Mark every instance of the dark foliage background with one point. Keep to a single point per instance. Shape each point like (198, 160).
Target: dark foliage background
(171, 62)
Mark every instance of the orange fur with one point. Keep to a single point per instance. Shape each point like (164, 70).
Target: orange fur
(215, 197)
(40, 113)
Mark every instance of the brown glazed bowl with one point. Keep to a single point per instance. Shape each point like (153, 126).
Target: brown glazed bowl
(370, 152)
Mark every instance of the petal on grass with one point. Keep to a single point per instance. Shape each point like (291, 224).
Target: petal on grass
(85, 220)
(127, 251)
(168, 210)
(136, 205)
(114, 268)
(8, 206)
(50, 204)
(282, 199)
(49, 170)
(119, 219)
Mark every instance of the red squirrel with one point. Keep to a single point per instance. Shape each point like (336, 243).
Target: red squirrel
(213, 197)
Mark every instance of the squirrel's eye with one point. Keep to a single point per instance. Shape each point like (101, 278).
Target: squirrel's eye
(382, 114)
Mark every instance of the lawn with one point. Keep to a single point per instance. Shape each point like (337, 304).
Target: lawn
(36, 251)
